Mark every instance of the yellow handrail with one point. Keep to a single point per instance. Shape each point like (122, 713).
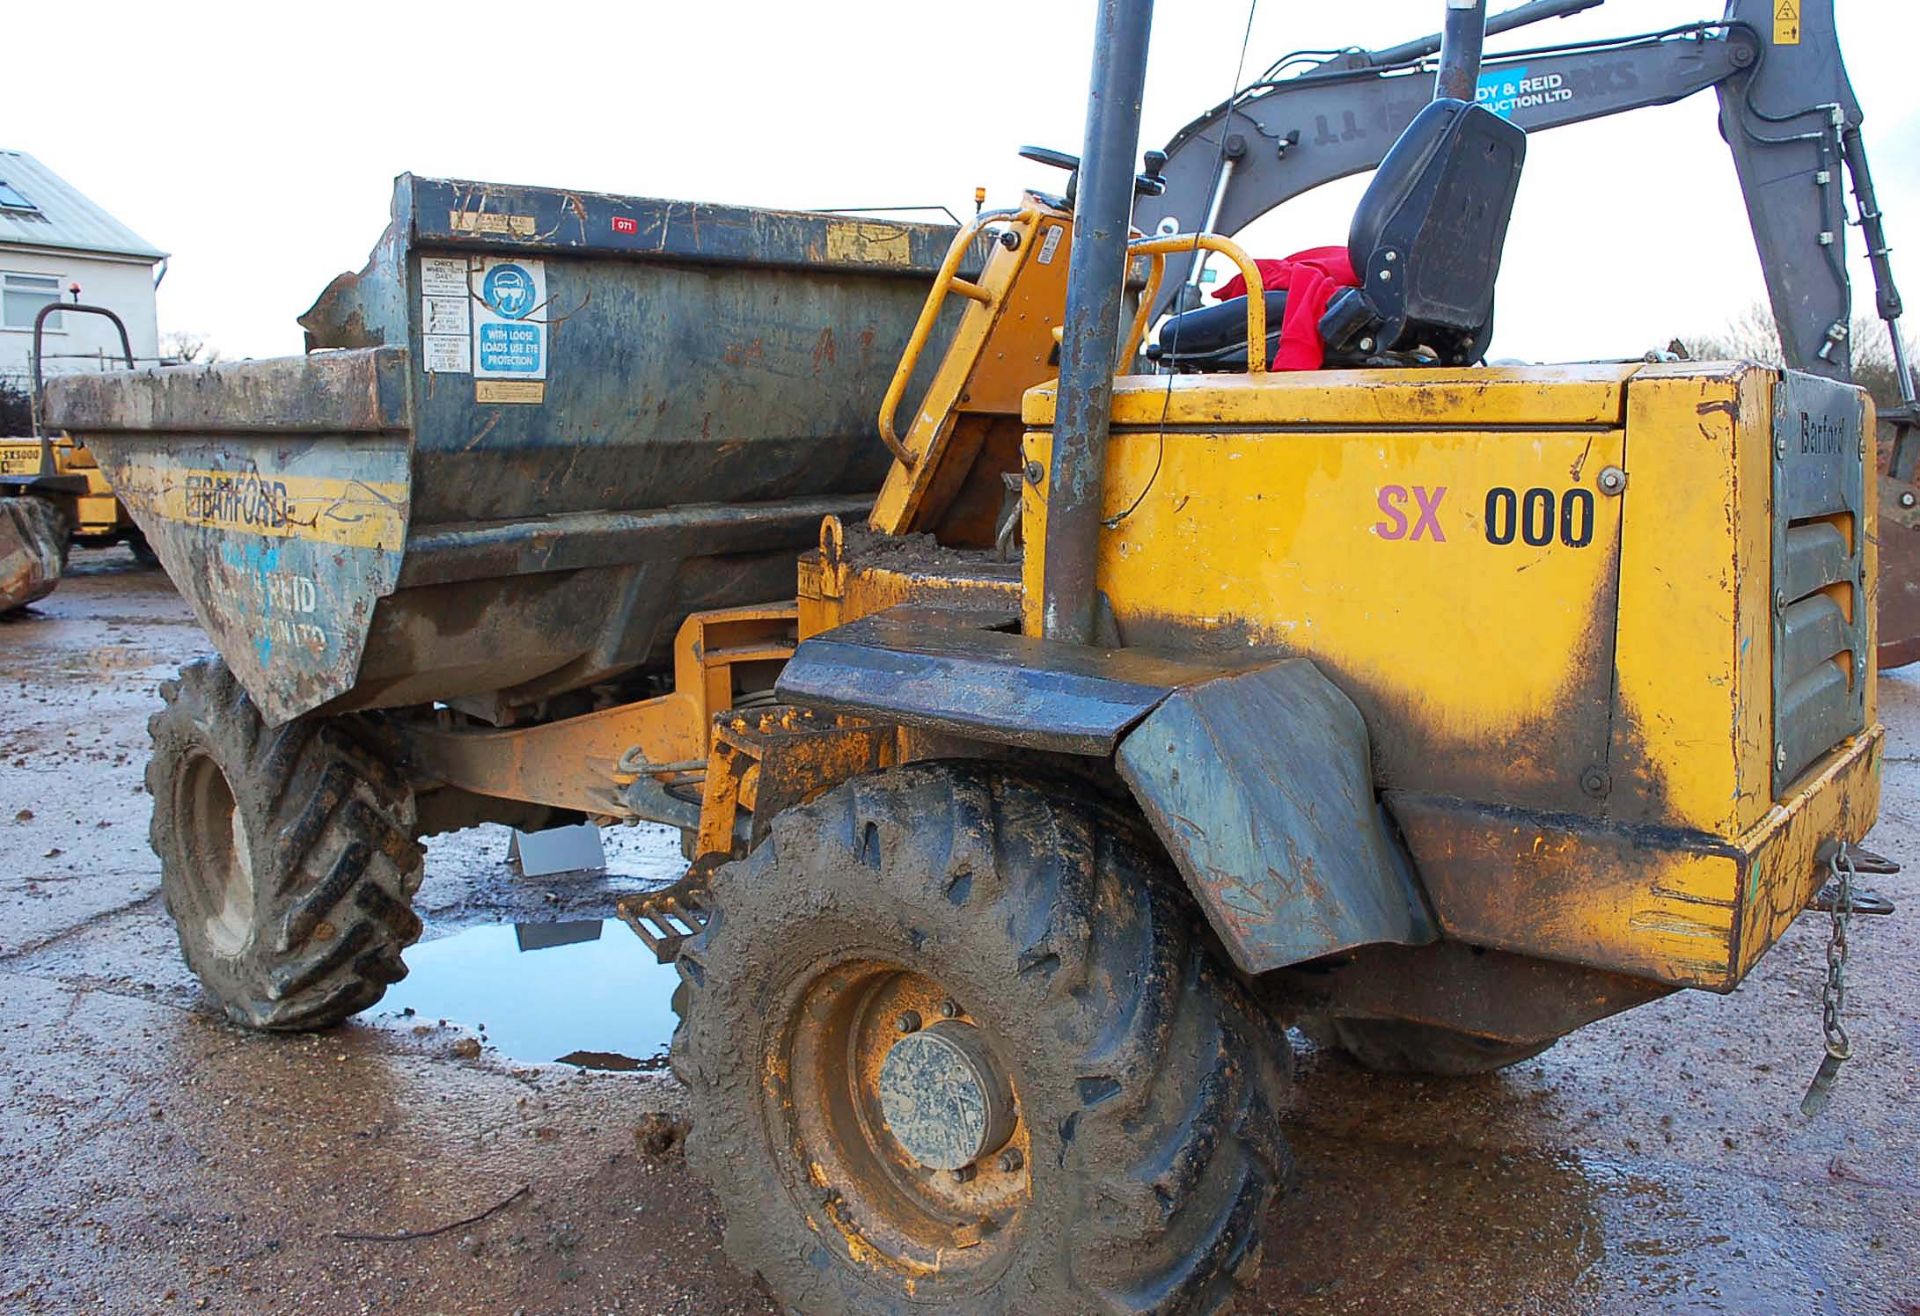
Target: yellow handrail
(1159, 248)
(947, 280)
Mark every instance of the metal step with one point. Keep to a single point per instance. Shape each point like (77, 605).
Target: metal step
(664, 919)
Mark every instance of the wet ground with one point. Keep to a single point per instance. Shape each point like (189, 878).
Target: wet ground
(157, 1160)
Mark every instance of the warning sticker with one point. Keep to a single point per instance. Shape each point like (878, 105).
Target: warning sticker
(509, 390)
(861, 243)
(446, 355)
(1786, 23)
(445, 321)
(1050, 244)
(476, 221)
(510, 319)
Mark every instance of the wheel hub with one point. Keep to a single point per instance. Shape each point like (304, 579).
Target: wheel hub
(915, 1134)
(222, 874)
(943, 1098)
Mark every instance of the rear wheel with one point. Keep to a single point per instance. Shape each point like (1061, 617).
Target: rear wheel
(286, 855)
(956, 1042)
(1401, 1046)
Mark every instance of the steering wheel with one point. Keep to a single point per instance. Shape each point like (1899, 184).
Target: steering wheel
(1148, 183)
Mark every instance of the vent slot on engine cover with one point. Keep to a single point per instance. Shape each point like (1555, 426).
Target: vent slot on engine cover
(1819, 601)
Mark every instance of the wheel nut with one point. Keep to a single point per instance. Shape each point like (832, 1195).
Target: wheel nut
(963, 1175)
(949, 1009)
(1011, 1160)
(909, 1022)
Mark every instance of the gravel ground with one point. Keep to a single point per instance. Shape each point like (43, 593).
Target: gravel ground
(159, 1160)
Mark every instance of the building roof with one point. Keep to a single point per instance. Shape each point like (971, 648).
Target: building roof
(38, 208)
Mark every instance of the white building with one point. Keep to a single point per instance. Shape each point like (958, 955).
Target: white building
(52, 237)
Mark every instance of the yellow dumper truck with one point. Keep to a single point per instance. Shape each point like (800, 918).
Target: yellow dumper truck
(1435, 707)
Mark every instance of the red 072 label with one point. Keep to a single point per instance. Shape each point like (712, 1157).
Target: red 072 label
(1536, 517)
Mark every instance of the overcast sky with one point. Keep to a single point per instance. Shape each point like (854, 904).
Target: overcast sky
(257, 141)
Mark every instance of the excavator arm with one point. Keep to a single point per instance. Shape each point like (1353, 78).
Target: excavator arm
(1282, 137)
(1788, 114)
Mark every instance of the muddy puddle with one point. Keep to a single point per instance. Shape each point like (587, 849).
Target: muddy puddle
(583, 992)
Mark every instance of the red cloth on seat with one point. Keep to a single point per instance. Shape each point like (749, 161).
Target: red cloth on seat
(1310, 278)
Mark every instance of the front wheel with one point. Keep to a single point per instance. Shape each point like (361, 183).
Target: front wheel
(286, 855)
(34, 536)
(955, 1042)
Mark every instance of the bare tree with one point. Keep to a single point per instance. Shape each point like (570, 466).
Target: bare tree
(1751, 336)
(1748, 336)
(181, 346)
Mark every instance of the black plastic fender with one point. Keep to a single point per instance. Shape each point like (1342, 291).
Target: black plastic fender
(1260, 785)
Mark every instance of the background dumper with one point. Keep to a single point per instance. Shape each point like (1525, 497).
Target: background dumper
(52, 492)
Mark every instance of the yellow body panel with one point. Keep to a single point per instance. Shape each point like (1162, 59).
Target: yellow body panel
(1839, 798)
(1665, 904)
(1366, 556)
(99, 512)
(1533, 396)
(1695, 599)
(1478, 665)
(1549, 592)
(19, 458)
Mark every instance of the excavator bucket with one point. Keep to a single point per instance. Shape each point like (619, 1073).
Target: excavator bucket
(33, 550)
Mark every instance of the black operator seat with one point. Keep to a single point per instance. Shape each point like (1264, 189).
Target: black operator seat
(1215, 337)
(1426, 241)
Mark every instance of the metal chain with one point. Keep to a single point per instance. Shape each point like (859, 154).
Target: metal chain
(1834, 999)
(1833, 996)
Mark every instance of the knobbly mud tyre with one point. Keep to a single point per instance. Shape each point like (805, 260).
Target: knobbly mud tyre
(1051, 932)
(287, 856)
(34, 540)
(1401, 1046)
